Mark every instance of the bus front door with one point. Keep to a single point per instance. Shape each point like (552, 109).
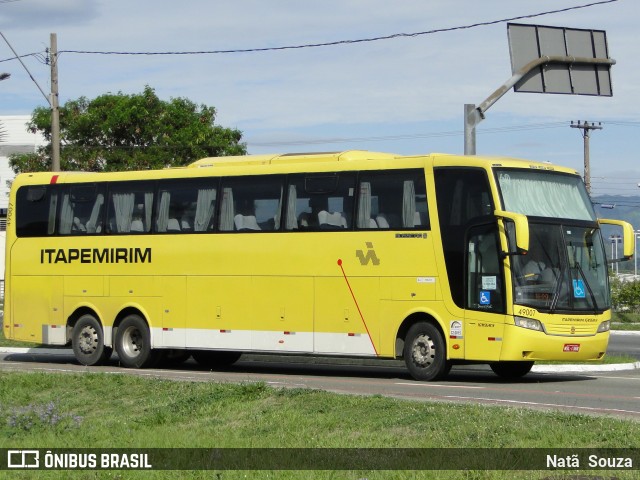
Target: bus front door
(485, 296)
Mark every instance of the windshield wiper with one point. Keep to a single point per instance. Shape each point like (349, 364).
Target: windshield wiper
(556, 293)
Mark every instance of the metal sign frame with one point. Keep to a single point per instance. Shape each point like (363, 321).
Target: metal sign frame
(531, 42)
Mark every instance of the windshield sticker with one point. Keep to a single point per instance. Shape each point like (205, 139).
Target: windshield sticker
(485, 297)
(489, 283)
(578, 289)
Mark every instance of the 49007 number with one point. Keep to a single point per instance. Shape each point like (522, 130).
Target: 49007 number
(527, 312)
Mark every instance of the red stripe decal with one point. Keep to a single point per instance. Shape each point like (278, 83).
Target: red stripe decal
(357, 306)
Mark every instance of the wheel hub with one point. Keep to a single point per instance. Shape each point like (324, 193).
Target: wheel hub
(423, 351)
(132, 342)
(88, 340)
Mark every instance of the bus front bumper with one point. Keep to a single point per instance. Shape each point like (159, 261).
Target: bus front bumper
(524, 344)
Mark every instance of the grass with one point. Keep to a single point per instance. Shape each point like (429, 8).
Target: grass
(625, 320)
(102, 411)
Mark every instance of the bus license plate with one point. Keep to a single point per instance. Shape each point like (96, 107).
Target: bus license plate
(571, 347)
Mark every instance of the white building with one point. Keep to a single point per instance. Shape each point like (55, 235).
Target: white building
(15, 139)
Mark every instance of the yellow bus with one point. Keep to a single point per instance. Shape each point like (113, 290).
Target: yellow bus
(434, 259)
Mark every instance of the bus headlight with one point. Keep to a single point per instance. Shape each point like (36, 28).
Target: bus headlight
(604, 326)
(529, 323)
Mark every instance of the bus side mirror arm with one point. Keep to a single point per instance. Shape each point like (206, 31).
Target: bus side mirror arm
(628, 240)
(522, 230)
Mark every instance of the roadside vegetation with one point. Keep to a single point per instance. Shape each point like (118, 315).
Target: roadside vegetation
(51, 410)
(625, 297)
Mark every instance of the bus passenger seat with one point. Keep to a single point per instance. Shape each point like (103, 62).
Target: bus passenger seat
(173, 225)
(372, 223)
(245, 222)
(137, 226)
(331, 221)
(77, 226)
(382, 221)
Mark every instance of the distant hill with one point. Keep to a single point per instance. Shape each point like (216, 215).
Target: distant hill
(618, 207)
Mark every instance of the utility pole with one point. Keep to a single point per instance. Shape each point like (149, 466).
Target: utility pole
(55, 111)
(586, 128)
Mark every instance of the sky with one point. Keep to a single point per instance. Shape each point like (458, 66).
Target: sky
(403, 94)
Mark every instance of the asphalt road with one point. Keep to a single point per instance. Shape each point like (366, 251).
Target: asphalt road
(624, 343)
(612, 393)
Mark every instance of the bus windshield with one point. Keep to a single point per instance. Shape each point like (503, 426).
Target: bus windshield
(542, 193)
(565, 267)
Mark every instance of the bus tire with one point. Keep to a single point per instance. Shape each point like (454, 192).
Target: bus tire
(213, 359)
(133, 343)
(511, 370)
(424, 352)
(88, 341)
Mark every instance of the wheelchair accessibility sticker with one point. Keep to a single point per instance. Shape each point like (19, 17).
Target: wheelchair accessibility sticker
(578, 289)
(485, 297)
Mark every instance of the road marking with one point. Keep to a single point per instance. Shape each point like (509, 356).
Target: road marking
(619, 378)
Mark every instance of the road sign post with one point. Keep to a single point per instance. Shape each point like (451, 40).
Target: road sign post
(548, 60)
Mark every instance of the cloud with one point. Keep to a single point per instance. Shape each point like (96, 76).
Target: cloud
(33, 14)
(341, 91)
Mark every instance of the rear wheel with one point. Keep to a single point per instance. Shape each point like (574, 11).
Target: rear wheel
(133, 343)
(424, 352)
(88, 341)
(213, 359)
(511, 369)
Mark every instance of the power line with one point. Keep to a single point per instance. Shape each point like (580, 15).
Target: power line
(453, 133)
(25, 67)
(37, 55)
(346, 42)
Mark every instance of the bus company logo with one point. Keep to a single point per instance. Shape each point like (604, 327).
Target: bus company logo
(95, 255)
(369, 257)
(23, 459)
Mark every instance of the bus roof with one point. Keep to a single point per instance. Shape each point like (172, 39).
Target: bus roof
(348, 155)
(285, 163)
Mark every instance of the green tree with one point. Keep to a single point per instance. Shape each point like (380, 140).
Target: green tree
(116, 132)
(625, 296)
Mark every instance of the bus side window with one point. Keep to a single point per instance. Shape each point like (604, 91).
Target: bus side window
(81, 210)
(394, 200)
(322, 201)
(129, 208)
(186, 206)
(251, 204)
(36, 210)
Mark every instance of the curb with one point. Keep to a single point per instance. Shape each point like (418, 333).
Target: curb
(614, 367)
(625, 332)
(37, 351)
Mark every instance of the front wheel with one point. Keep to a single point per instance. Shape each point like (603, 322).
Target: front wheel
(133, 343)
(511, 370)
(88, 341)
(424, 352)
